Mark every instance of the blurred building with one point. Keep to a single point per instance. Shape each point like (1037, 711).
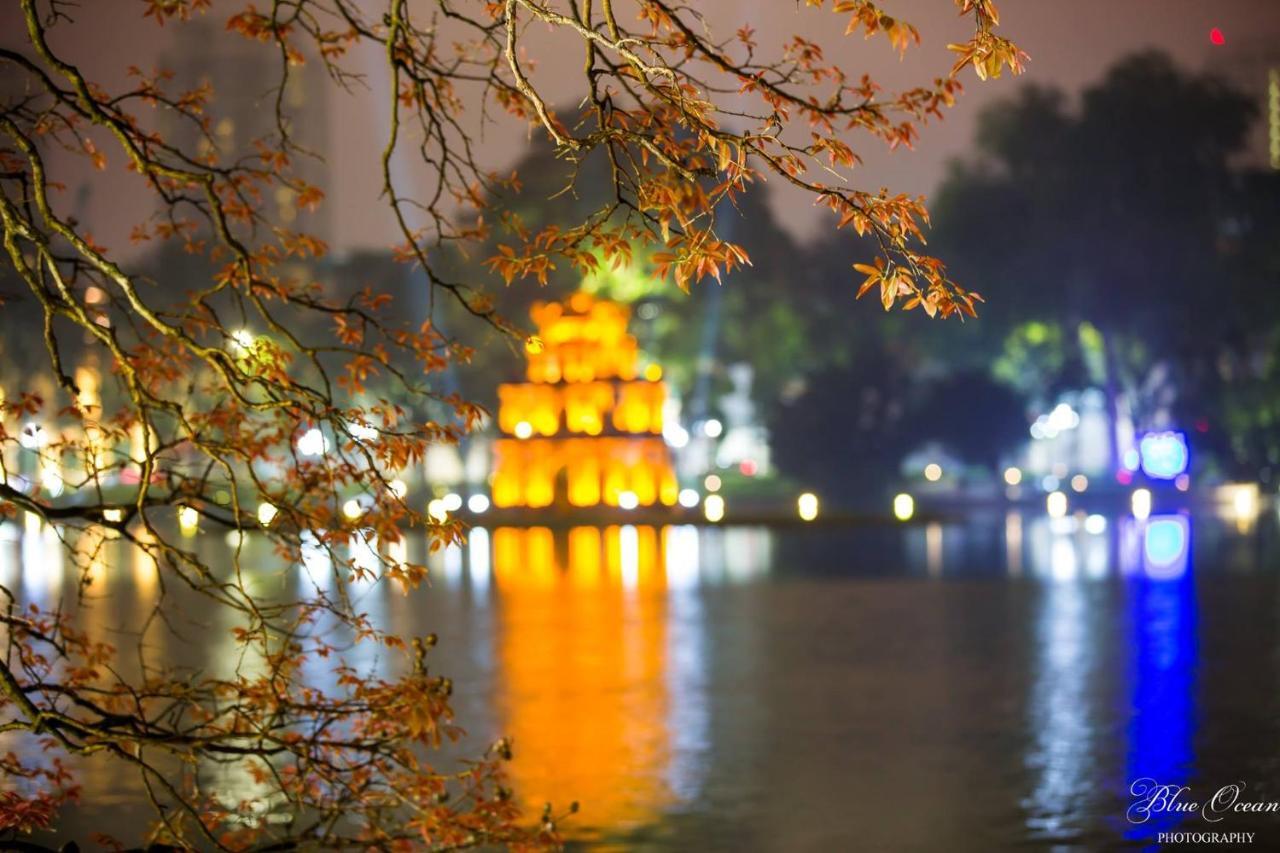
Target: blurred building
(245, 77)
(746, 441)
(1253, 66)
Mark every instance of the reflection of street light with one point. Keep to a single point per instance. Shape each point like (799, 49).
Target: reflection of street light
(713, 508)
(1140, 502)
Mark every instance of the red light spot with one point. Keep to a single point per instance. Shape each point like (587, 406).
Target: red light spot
(1216, 36)
(1202, 425)
(1124, 477)
(748, 467)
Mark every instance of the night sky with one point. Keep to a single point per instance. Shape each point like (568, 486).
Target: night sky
(1071, 44)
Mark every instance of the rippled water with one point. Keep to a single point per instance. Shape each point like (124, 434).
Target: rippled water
(975, 686)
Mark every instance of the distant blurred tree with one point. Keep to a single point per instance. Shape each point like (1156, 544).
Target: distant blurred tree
(868, 414)
(751, 321)
(1234, 399)
(1119, 215)
(969, 413)
(206, 381)
(846, 430)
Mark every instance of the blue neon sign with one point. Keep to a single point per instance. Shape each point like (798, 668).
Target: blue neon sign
(1164, 454)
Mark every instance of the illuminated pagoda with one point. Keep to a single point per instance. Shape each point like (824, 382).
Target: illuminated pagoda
(586, 428)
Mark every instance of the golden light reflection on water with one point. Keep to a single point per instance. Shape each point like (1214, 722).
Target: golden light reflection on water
(582, 646)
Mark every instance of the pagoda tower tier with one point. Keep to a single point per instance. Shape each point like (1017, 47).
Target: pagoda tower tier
(585, 429)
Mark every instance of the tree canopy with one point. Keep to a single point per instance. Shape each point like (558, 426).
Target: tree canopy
(1127, 254)
(253, 394)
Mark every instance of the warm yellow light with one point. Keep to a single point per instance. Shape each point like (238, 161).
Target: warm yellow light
(399, 488)
(1242, 500)
(1012, 476)
(713, 508)
(653, 373)
(242, 340)
(1079, 483)
(188, 520)
(352, 509)
(669, 489)
(436, 511)
(1140, 503)
(533, 345)
(1056, 504)
(904, 506)
(113, 514)
(523, 429)
(1245, 502)
(712, 483)
(933, 472)
(266, 513)
(807, 506)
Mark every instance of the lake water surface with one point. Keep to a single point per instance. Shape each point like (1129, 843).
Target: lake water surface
(993, 684)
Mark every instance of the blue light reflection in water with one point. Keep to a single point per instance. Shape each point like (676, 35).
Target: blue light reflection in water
(1162, 610)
